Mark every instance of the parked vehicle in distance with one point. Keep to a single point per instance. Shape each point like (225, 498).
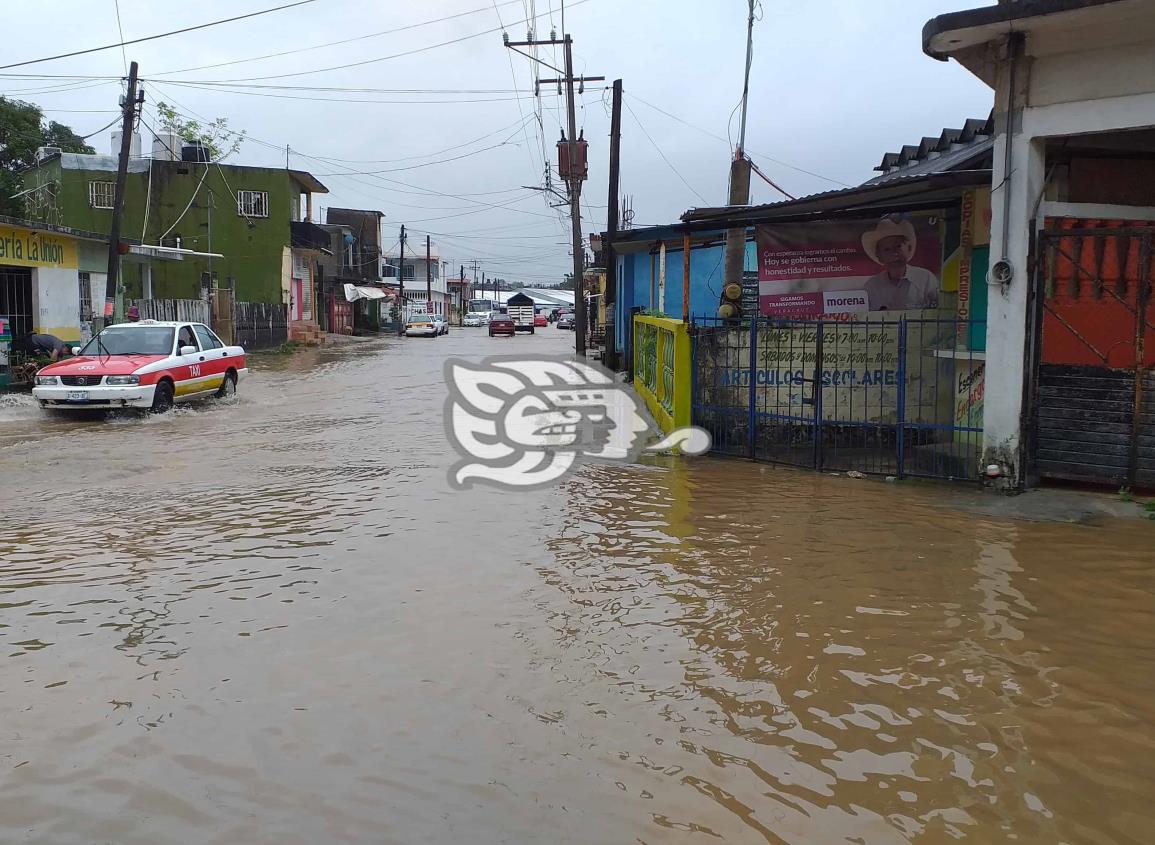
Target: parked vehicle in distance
(565, 320)
(441, 323)
(476, 318)
(540, 321)
(149, 365)
(501, 324)
(421, 324)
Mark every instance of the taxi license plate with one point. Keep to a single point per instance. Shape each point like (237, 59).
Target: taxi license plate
(78, 396)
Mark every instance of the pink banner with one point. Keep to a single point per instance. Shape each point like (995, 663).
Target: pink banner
(848, 267)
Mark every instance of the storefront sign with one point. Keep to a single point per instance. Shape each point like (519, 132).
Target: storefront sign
(861, 371)
(965, 263)
(827, 268)
(29, 248)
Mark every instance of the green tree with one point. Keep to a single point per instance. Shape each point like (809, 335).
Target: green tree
(221, 141)
(22, 131)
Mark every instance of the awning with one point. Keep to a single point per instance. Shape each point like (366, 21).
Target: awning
(355, 292)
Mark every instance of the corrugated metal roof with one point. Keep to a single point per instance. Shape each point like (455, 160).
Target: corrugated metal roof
(961, 159)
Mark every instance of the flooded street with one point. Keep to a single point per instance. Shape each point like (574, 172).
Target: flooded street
(273, 622)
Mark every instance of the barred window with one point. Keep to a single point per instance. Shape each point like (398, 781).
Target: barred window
(101, 194)
(409, 273)
(85, 297)
(253, 203)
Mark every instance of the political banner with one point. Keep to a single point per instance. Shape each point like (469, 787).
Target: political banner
(840, 268)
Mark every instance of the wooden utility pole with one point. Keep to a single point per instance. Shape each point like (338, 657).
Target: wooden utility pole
(573, 179)
(612, 229)
(402, 316)
(113, 292)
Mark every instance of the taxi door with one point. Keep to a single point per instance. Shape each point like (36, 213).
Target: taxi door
(214, 355)
(186, 370)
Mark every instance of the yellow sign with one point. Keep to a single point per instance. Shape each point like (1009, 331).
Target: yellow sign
(30, 248)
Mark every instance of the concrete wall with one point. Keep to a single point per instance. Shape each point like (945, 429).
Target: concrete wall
(706, 270)
(56, 302)
(1055, 96)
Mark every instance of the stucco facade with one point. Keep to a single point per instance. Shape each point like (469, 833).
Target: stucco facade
(193, 205)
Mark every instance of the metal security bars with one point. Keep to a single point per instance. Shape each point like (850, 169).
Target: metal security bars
(894, 396)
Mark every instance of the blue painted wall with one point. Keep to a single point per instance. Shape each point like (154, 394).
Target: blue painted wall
(705, 284)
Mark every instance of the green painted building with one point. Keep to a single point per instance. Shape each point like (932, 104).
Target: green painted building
(240, 213)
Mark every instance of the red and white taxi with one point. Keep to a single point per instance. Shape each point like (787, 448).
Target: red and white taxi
(148, 365)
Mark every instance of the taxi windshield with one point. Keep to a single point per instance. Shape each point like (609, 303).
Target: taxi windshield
(137, 340)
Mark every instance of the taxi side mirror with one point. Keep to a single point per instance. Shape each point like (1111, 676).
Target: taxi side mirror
(76, 350)
(188, 350)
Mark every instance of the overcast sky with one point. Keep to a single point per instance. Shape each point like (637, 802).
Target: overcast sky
(835, 84)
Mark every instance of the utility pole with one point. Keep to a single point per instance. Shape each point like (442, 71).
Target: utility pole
(612, 228)
(575, 211)
(402, 316)
(739, 193)
(575, 169)
(428, 278)
(114, 291)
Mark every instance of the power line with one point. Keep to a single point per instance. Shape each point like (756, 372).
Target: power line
(425, 155)
(728, 143)
(425, 164)
(123, 43)
(225, 90)
(120, 31)
(101, 129)
(412, 52)
(663, 155)
(336, 43)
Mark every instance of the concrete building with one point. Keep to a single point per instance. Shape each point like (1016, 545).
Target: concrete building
(1070, 305)
(242, 213)
(423, 279)
(52, 280)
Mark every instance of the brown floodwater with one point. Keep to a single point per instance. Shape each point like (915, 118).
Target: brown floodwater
(273, 622)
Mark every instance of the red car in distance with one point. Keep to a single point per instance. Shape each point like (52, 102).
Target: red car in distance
(540, 321)
(501, 324)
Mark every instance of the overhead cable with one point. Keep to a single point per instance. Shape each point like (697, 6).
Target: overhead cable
(154, 37)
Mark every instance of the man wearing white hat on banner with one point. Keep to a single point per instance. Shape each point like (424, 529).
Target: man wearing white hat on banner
(899, 286)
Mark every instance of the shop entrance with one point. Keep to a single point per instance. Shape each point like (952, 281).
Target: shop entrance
(1094, 402)
(15, 318)
(16, 299)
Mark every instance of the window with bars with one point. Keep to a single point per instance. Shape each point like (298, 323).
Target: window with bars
(85, 296)
(409, 273)
(253, 203)
(101, 194)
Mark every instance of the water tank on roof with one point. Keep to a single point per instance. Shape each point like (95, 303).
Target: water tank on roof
(194, 151)
(133, 145)
(166, 146)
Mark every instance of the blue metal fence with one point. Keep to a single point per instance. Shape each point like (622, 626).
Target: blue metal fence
(893, 396)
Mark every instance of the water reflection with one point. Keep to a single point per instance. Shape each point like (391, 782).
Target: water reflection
(877, 670)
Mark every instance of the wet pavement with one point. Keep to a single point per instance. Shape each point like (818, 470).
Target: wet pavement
(272, 622)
